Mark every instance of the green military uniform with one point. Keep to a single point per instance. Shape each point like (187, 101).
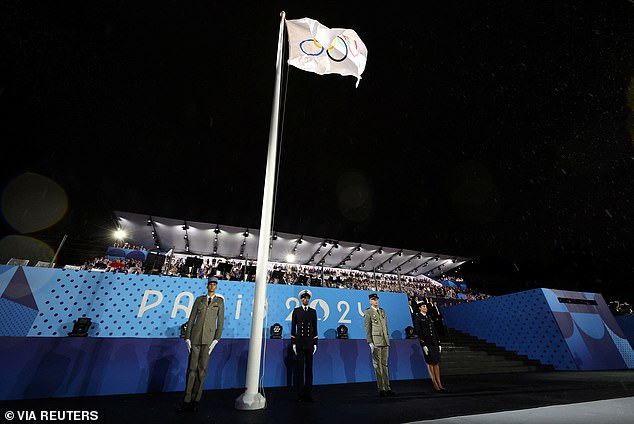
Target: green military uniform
(204, 326)
(377, 335)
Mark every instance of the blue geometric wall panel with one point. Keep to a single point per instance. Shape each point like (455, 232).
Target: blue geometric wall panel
(122, 305)
(568, 336)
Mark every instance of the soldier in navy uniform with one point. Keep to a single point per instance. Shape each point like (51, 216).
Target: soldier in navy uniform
(429, 341)
(304, 340)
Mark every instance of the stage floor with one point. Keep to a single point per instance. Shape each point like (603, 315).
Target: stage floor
(352, 403)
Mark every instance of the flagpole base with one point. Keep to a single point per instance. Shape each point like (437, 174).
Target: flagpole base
(250, 402)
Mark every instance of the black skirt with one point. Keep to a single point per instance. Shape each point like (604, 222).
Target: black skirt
(433, 357)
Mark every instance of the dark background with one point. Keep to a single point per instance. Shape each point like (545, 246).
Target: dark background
(493, 130)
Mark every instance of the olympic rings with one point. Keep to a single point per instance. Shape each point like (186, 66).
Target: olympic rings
(322, 49)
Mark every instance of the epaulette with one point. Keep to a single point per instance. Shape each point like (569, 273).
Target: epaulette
(220, 296)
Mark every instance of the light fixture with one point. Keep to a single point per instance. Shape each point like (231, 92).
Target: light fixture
(149, 222)
(81, 327)
(185, 227)
(119, 234)
(246, 233)
(274, 236)
(380, 251)
(290, 258)
(217, 230)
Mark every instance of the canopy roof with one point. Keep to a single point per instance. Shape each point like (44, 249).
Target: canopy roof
(210, 239)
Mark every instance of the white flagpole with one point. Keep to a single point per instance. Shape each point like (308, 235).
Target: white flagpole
(251, 399)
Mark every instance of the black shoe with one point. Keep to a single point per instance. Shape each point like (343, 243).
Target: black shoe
(185, 407)
(383, 393)
(444, 390)
(194, 406)
(390, 393)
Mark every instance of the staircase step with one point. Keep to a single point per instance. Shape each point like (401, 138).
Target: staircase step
(466, 354)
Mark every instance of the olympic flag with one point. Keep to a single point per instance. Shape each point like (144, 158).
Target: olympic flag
(319, 49)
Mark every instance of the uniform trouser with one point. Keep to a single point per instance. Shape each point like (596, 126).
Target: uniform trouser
(304, 371)
(196, 372)
(379, 360)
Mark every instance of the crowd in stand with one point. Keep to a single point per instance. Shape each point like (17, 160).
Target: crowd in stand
(420, 287)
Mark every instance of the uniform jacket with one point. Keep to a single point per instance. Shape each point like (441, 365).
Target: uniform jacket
(206, 321)
(304, 328)
(375, 323)
(426, 330)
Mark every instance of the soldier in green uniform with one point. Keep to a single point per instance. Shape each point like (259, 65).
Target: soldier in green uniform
(204, 329)
(378, 337)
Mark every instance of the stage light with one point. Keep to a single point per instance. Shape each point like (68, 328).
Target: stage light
(186, 237)
(409, 332)
(119, 234)
(400, 253)
(276, 331)
(80, 327)
(342, 332)
(217, 230)
(380, 252)
(149, 222)
(290, 258)
(358, 248)
(246, 233)
(274, 236)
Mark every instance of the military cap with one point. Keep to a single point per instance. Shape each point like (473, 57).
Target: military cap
(212, 280)
(305, 293)
(373, 296)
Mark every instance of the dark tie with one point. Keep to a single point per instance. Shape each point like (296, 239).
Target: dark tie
(305, 309)
(208, 301)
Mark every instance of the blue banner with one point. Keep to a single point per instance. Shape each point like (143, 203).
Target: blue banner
(45, 302)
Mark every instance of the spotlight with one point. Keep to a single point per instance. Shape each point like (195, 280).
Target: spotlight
(342, 332)
(217, 230)
(274, 236)
(409, 332)
(149, 222)
(300, 241)
(276, 331)
(80, 327)
(380, 252)
(119, 234)
(290, 258)
(358, 248)
(185, 227)
(246, 233)
(389, 261)
(400, 253)
(186, 237)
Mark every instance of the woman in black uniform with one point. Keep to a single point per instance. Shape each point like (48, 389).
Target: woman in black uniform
(428, 338)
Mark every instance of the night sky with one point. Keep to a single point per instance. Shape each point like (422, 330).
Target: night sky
(500, 131)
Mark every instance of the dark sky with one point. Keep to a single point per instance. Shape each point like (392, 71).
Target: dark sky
(501, 131)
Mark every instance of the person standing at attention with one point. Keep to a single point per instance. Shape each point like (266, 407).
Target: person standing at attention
(378, 337)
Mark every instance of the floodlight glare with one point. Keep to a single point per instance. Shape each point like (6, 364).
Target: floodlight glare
(290, 258)
(119, 234)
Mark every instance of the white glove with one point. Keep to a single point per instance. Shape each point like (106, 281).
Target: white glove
(314, 349)
(212, 345)
(371, 347)
(439, 348)
(295, 350)
(189, 345)
(425, 350)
